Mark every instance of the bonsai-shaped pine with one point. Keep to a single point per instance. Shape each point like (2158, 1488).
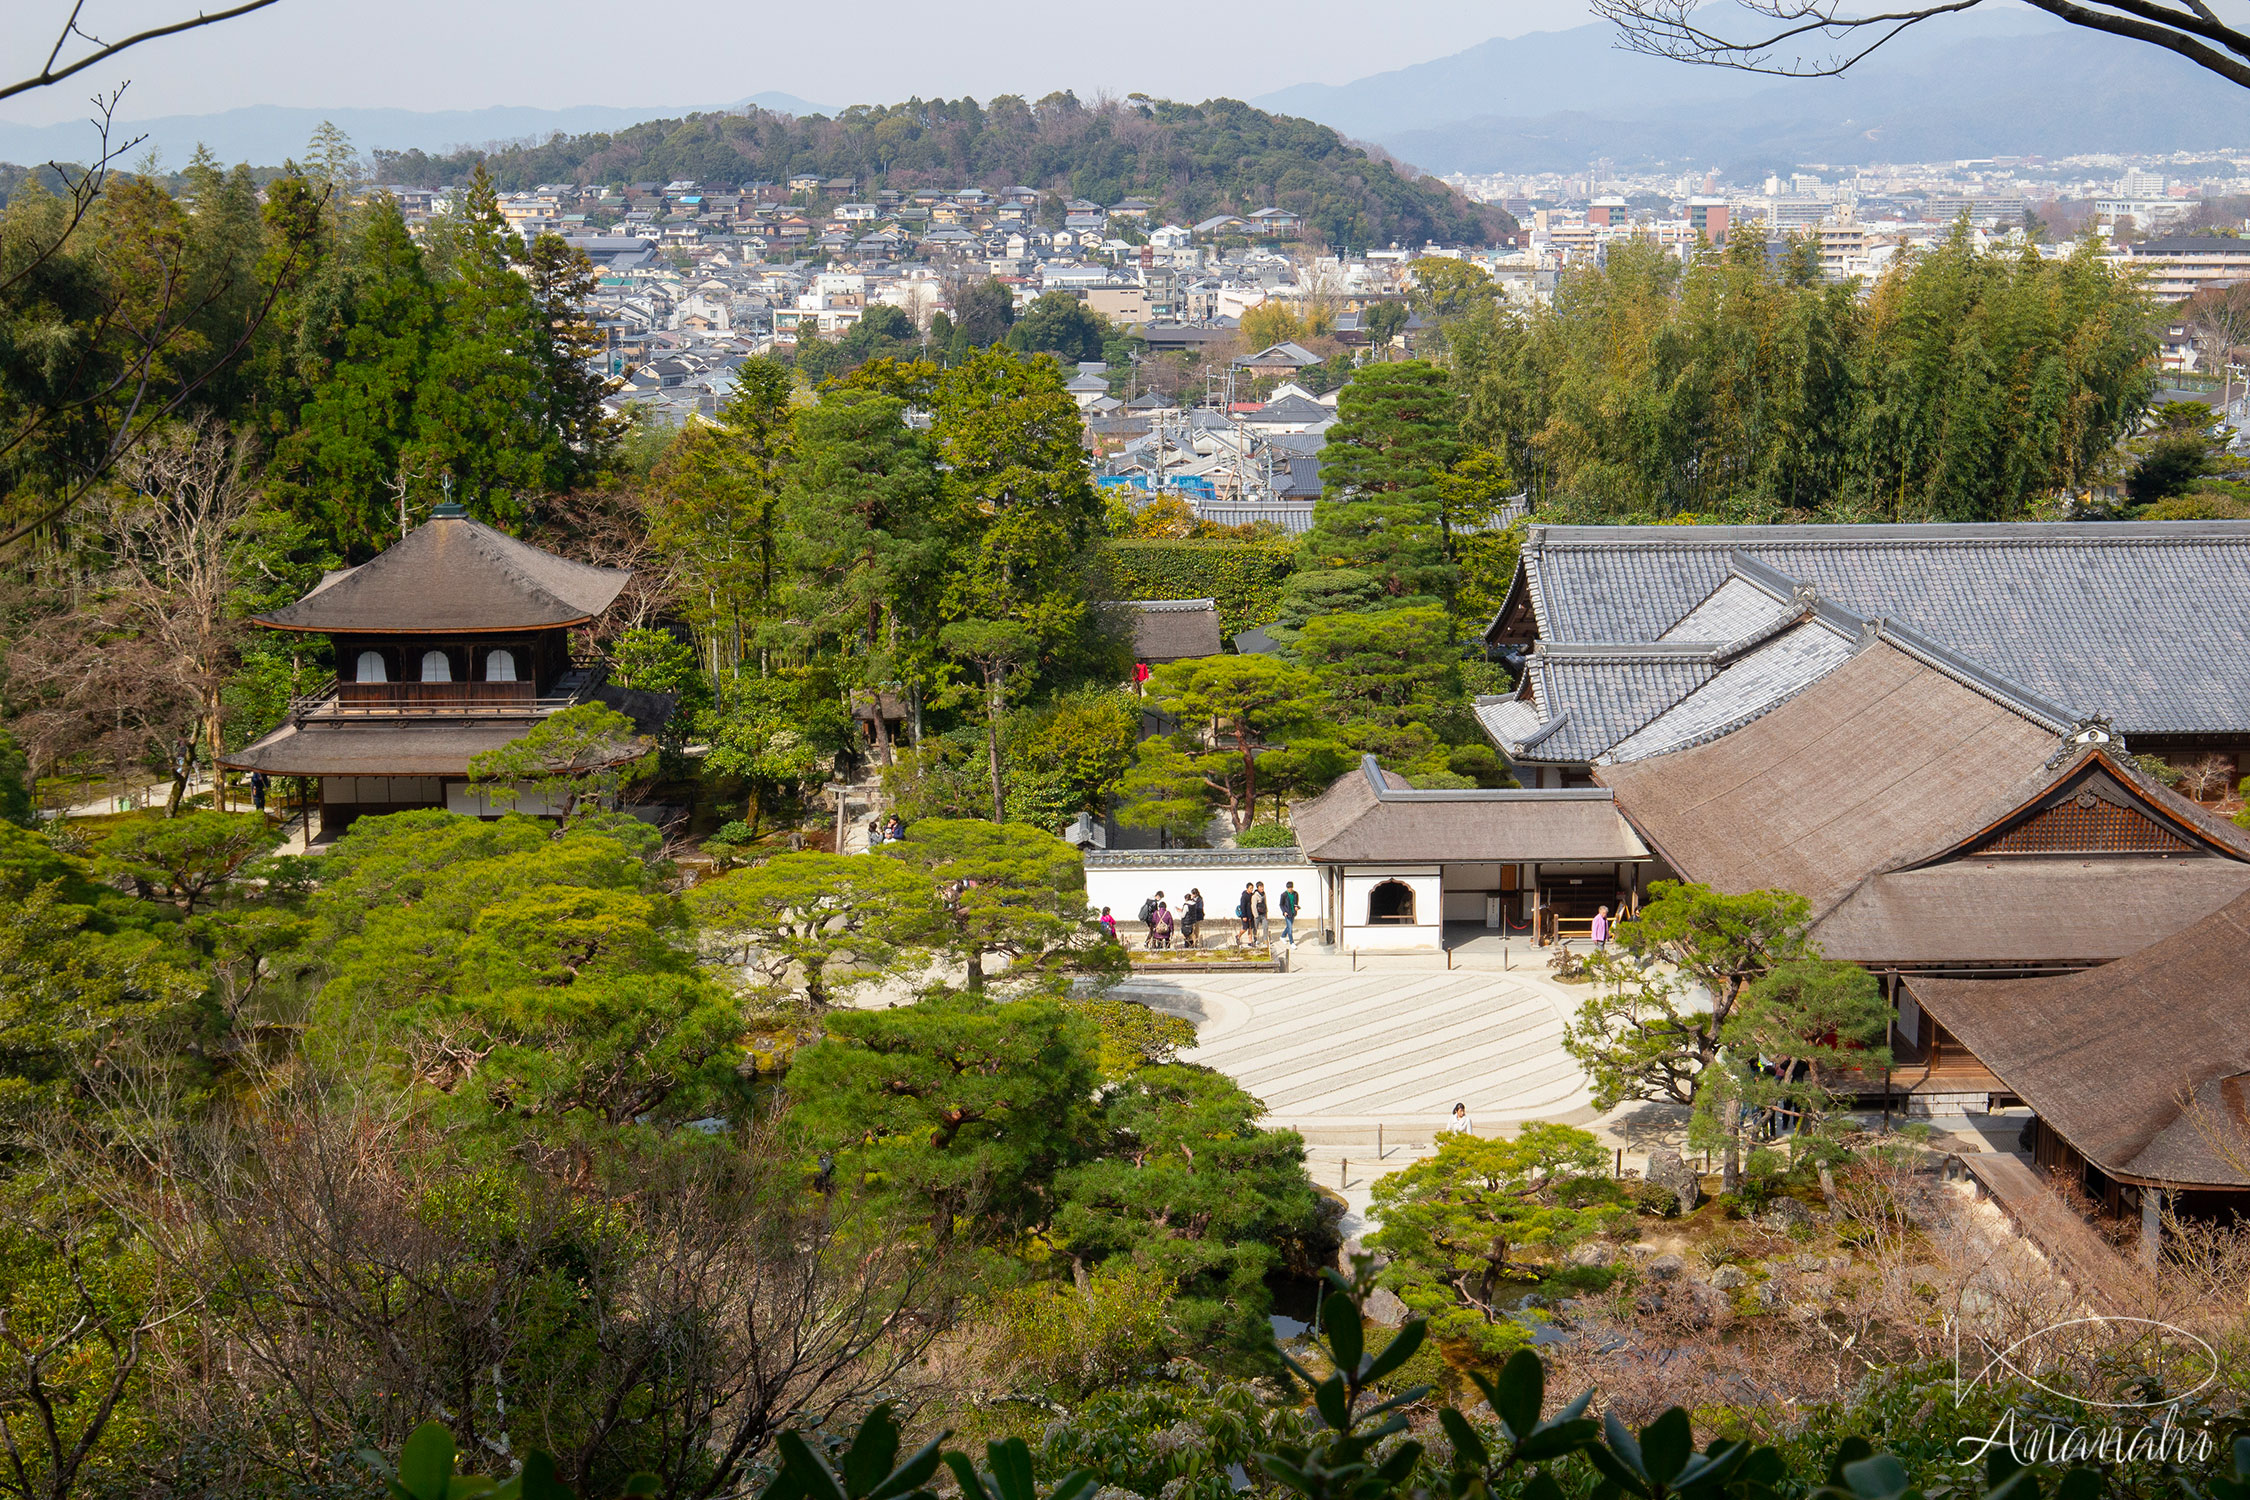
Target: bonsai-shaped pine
(1232, 712)
(831, 919)
(1011, 892)
(581, 758)
(1451, 1220)
(1647, 1035)
(1808, 1020)
(188, 860)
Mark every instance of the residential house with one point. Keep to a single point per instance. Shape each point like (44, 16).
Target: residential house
(1275, 221)
(1278, 359)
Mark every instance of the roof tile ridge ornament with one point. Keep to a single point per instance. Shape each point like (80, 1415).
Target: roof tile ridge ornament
(2092, 731)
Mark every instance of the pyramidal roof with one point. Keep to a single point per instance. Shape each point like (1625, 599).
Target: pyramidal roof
(452, 574)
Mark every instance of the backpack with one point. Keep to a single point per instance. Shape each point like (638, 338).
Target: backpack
(1148, 911)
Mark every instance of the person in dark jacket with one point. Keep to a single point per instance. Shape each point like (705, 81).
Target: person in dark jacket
(1246, 915)
(1191, 918)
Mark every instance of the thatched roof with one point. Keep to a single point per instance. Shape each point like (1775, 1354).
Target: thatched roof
(1886, 757)
(452, 575)
(1371, 816)
(2089, 863)
(2107, 1056)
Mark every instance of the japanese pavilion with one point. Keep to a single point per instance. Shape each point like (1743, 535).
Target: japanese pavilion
(453, 642)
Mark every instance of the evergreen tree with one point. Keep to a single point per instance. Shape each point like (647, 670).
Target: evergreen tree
(351, 463)
(485, 412)
(1381, 511)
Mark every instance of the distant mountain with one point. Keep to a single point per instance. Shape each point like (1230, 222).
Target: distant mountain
(2004, 83)
(1191, 160)
(265, 135)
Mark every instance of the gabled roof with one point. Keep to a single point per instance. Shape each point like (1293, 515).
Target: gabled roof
(1174, 629)
(2142, 1065)
(2087, 863)
(2144, 622)
(1371, 816)
(1876, 762)
(452, 574)
(1286, 352)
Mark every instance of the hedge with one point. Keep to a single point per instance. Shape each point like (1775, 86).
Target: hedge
(1244, 577)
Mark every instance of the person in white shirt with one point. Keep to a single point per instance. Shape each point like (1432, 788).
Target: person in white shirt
(1459, 1121)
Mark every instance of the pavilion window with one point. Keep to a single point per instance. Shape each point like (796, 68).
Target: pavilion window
(435, 668)
(500, 666)
(1392, 902)
(370, 668)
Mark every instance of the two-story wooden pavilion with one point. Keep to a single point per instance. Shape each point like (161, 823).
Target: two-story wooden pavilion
(454, 642)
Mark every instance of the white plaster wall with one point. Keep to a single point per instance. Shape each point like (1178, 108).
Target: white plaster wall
(1428, 930)
(1123, 891)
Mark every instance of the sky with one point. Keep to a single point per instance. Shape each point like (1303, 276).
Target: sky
(469, 54)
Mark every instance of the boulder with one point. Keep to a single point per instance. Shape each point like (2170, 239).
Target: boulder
(1592, 1253)
(1787, 1214)
(1728, 1278)
(1667, 1169)
(1811, 1264)
(1384, 1308)
(1666, 1267)
(1768, 1294)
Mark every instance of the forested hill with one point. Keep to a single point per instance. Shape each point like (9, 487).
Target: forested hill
(1195, 160)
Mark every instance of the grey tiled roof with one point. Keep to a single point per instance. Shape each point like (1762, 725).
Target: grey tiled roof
(1744, 688)
(2148, 623)
(1735, 609)
(1608, 695)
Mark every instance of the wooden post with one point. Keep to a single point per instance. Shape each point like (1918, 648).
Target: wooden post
(1344, 1175)
(1619, 1170)
(1379, 1140)
(2152, 1227)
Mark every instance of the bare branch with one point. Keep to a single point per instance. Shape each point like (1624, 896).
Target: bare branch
(1675, 29)
(103, 51)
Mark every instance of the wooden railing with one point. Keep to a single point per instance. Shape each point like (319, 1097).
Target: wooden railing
(425, 697)
(371, 700)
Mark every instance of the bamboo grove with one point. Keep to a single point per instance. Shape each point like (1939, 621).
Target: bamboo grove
(1964, 385)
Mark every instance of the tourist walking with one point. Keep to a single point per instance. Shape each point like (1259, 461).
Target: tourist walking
(1109, 925)
(1459, 1122)
(258, 785)
(1245, 916)
(1148, 911)
(1260, 903)
(1289, 903)
(1191, 917)
(1601, 929)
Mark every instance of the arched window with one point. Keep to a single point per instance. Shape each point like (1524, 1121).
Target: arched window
(500, 666)
(370, 668)
(434, 668)
(1391, 903)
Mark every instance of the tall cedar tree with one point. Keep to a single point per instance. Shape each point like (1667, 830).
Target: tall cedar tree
(720, 489)
(484, 412)
(863, 534)
(354, 434)
(1381, 511)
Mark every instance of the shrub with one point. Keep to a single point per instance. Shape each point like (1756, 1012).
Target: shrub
(1265, 836)
(1655, 1200)
(1081, 1339)
(1245, 578)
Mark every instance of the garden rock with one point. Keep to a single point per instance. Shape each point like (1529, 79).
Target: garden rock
(1787, 1214)
(1768, 1294)
(1592, 1253)
(1666, 1267)
(1811, 1263)
(1384, 1308)
(1727, 1278)
(1666, 1169)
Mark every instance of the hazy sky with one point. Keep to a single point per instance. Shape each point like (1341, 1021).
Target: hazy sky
(466, 54)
